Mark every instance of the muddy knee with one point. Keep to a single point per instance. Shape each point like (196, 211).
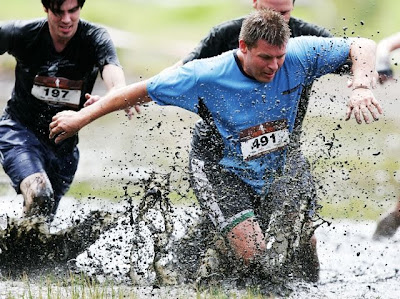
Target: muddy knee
(38, 195)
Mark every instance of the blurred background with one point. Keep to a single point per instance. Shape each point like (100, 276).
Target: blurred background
(357, 166)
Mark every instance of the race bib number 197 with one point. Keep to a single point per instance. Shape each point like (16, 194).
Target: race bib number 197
(57, 91)
(264, 138)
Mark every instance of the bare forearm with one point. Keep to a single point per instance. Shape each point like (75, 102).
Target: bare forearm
(113, 77)
(362, 103)
(118, 99)
(67, 123)
(362, 54)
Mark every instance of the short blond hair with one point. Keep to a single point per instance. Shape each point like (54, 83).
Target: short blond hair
(265, 24)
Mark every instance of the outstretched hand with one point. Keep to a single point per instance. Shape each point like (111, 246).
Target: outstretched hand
(64, 125)
(90, 99)
(363, 105)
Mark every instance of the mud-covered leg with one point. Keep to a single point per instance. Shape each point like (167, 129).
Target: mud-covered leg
(388, 225)
(306, 261)
(290, 228)
(38, 195)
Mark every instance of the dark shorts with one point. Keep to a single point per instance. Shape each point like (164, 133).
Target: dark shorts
(228, 200)
(23, 154)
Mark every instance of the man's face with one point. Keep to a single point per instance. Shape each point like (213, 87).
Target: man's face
(63, 23)
(263, 60)
(284, 7)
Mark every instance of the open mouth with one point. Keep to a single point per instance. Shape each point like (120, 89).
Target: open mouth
(65, 29)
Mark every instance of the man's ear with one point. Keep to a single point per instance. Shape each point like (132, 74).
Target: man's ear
(45, 9)
(255, 4)
(242, 46)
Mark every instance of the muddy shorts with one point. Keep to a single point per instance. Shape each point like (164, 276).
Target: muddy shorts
(285, 214)
(23, 154)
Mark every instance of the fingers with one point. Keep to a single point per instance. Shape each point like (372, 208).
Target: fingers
(62, 136)
(375, 109)
(54, 128)
(129, 112)
(137, 108)
(60, 128)
(377, 105)
(365, 114)
(364, 107)
(357, 114)
(90, 99)
(58, 134)
(348, 112)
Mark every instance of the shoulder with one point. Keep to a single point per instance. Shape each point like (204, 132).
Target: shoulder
(23, 28)
(315, 42)
(212, 65)
(92, 32)
(300, 27)
(228, 26)
(220, 59)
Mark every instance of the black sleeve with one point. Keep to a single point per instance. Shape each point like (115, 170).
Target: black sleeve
(101, 42)
(221, 38)
(299, 27)
(106, 52)
(6, 33)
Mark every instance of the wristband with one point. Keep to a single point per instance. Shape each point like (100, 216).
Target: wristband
(361, 86)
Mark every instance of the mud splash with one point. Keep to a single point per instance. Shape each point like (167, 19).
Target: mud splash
(352, 264)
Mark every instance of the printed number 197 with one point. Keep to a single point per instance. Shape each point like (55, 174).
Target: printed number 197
(55, 93)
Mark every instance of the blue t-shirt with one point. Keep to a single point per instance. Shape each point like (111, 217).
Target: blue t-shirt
(253, 118)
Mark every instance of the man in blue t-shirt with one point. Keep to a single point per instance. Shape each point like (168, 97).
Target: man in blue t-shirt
(206, 144)
(252, 94)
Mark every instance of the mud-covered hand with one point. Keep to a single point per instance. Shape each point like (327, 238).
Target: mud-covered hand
(90, 99)
(64, 125)
(363, 104)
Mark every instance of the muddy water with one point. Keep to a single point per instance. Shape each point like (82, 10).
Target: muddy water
(352, 265)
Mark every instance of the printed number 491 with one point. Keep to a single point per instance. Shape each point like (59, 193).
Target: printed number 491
(263, 141)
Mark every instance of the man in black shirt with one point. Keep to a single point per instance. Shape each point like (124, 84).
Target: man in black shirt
(58, 60)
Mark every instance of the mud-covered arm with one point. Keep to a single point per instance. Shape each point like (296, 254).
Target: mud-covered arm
(362, 103)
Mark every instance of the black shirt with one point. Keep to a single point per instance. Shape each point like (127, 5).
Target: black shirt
(89, 50)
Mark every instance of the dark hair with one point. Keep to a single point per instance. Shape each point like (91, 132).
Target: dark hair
(55, 5)
(264, 24)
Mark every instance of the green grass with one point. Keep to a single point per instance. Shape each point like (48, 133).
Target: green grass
(75, 286)
(72, 286)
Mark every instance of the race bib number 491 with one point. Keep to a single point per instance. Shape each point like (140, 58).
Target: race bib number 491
(264, 138)
(57, 91)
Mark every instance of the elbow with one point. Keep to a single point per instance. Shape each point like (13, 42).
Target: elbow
(364, 43)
